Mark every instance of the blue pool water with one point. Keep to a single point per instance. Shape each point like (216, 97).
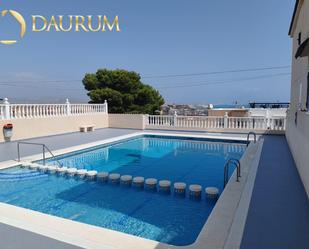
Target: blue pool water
(160, 217)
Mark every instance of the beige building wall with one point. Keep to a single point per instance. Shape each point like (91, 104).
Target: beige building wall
(230, 112)
(298, 135)
(38, 127)
(131, 121)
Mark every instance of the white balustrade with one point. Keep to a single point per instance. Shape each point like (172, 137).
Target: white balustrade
(18, 111)
(216, 123)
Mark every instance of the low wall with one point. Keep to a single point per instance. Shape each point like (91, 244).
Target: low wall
(131, 121)
(38, 127)
(298, 140)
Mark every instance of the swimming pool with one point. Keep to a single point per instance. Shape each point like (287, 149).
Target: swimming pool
(160, 217)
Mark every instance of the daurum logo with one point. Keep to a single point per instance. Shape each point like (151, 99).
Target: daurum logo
(74, 23)
(19, 18)
(63, 24)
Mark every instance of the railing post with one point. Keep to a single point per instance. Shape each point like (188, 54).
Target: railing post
(106, 106)
(145, 121)
(18, 152)
(6, 114)
(268, 121)
(68, 105)
(226, 120)
(175, 118)
(43, 154)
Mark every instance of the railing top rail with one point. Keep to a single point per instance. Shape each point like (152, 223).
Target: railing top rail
(182, 116)
(86, 104)
(39, 144)
(53, 104)
(247, 117)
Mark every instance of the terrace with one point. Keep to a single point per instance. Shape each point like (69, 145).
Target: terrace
(269, 197)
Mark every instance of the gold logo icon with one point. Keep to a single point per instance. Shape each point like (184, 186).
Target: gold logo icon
(19, 18)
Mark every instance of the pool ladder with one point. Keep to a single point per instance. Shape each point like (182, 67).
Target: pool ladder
(234, 162)
(248, 137)
(44, 149)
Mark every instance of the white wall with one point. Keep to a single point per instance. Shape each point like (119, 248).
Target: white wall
(298, 139)
(131, 121)
(261, 112)
(298, 135)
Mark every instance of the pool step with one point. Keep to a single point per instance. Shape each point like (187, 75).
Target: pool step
(150, 184)
(62, 171)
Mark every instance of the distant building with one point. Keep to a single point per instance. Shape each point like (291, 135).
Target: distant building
(298, 117)
(231, 112)
(185, 110)
(266, 110)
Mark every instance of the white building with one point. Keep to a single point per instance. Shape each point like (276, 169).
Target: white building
(298, 117)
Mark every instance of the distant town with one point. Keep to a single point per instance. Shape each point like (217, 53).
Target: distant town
(220, 110)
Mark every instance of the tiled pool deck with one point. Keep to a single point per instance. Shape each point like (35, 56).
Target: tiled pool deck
(278, 215)
(279, 211)
(15, 238)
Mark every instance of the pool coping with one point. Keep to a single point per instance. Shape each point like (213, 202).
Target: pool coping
(223, 228)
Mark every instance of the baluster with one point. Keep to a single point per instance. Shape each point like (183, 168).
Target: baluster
(30, 111)
(11, 111)
(16, 111)
(27, 111)
(34, 111)
(31, 114)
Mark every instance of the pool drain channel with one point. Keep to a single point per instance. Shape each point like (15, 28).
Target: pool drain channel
(149, 184)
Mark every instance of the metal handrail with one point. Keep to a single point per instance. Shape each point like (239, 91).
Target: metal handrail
(44, 148)
(248, 136)
(235, 162)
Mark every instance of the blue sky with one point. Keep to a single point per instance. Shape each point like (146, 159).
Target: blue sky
(158, 37)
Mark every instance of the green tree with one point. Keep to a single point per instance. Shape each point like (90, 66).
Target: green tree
(123, 90)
